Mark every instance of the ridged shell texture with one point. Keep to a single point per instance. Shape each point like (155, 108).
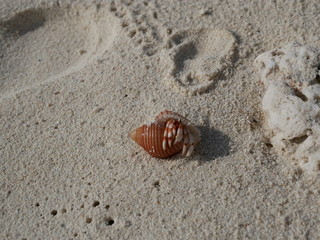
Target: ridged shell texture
(171, 133)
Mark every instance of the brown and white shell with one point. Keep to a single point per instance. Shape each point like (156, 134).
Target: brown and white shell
(168, 135)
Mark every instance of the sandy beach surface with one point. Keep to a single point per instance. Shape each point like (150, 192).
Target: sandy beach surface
(76, 77)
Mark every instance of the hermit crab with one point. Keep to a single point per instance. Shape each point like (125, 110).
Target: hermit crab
(169, 134)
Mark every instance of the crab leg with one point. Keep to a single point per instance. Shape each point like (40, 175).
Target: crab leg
(167, 136)
(191, 145)
(185, 141)
(170, 125)
(174, 132)
(164, 141)
(179, 135)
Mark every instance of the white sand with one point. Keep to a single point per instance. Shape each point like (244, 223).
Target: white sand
(75, 79)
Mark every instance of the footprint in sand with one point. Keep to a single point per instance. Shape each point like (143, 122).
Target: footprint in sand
(195, 59)
(140, 21)
(45, 44)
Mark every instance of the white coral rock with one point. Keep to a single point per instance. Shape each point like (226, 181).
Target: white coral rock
(296, 64)
(291, 103)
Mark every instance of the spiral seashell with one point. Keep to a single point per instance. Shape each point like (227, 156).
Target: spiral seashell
(169, 134)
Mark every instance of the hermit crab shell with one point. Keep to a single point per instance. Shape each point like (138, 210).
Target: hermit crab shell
(169, 134)
(150, 137)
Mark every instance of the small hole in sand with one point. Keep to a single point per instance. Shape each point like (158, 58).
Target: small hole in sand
(155, 15)
(269, 145)
(95, 203)
(287, 221)
(54, 212)
(37, 204)
(75, 235)
(254, 123)
(109, 221)
(107, 206)
(88, 220)
(297, 174)
(132, 33)
(63, 210)
(156, 184)
(82, 52)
